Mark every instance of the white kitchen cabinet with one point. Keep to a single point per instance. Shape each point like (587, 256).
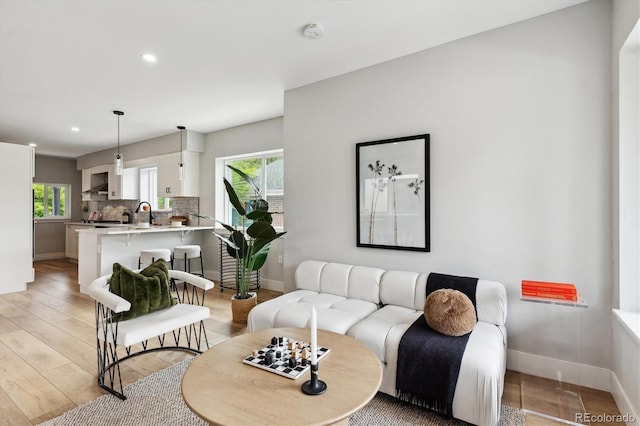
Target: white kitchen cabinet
(70, 243)
(169, 183)
(16, 217)
(86, 180)
(71, 240)
(125, 186)
(93, 178)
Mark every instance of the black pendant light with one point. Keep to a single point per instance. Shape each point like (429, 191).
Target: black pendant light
(118, 159)
(181, 164)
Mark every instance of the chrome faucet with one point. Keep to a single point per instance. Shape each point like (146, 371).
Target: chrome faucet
(150, 215)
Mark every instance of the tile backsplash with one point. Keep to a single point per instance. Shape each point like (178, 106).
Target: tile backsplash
(114, 209)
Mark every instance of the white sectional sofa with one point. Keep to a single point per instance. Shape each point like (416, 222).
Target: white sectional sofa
(376, 307)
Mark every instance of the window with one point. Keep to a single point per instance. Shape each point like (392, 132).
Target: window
(629, 175)
(149, 189)
(51, 201)
(267, 171)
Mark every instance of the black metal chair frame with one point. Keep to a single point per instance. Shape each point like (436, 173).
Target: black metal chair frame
(187, 264)
(191, 337)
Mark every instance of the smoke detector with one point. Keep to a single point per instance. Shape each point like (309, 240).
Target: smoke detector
(313, 31)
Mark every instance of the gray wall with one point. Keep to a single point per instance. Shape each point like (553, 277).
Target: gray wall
(260, 136)
(50, 235)
(165, 144)
(519, 119)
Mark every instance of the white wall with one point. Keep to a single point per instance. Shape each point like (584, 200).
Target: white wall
(520, 165)
(255, 137)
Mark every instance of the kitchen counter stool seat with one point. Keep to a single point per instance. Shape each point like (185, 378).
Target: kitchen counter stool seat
(186, 254)
(147, 257)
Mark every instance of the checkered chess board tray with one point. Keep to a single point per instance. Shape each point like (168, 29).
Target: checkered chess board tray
(276, 357)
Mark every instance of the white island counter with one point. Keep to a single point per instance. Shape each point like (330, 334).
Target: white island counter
(100, 248)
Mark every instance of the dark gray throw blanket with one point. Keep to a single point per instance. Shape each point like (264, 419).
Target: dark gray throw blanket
(429, 362)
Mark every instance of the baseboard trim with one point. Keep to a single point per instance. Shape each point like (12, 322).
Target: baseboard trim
(212, 275)
(630, 414)
(557, 369)
(272, 285)
(49, 256)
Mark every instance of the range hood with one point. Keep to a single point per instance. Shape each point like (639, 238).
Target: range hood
(96, 193)
(103, 188)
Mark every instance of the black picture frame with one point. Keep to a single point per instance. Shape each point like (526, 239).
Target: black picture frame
(392, 194)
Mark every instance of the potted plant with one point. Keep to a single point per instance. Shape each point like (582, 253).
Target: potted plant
(248, 243)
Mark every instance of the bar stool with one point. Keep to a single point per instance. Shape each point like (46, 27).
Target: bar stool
(147, 257)
(187, 254)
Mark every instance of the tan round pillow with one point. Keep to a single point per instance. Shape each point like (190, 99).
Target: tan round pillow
(450, 312)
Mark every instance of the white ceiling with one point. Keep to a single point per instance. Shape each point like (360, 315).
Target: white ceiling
(67, 63)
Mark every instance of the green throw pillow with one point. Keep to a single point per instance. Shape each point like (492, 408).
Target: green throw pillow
(147, 291)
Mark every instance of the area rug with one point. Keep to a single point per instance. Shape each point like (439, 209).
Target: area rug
(155, 400)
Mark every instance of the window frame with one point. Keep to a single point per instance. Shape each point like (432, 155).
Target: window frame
(149, 177)
(67, 201)
(223, 205)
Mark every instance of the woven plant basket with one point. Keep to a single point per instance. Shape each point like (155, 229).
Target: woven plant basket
(240, 307)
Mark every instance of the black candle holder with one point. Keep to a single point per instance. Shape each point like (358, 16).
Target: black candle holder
(314, 386)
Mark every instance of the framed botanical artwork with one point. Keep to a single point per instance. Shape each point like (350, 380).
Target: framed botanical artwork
(392, 193)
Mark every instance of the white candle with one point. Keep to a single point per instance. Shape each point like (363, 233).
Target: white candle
(314, 337)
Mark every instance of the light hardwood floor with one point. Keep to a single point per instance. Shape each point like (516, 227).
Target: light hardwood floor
(48, 355)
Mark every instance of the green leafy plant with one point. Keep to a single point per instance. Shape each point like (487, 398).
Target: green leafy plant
(250, 241)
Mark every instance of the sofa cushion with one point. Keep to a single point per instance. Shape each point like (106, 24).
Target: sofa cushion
(322, 300)
(364, 283)
(373, 331)
(491, 302)
(338, 316)
(335, 279)
(296, 314)
(450, 312)
(263, 315)
(403, 288)
(307, 275)
(355, 282)
(334, 313)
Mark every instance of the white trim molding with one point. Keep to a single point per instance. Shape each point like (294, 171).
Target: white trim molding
(630, 322)
(623, 402)
(272, 284)
(50, 256)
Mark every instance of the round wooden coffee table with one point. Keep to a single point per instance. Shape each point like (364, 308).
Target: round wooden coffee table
(223, 390)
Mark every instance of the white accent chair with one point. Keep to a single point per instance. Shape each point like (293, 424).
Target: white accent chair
(182, 325)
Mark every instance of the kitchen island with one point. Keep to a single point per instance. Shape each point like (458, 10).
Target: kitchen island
(100, 248)
(71, 235)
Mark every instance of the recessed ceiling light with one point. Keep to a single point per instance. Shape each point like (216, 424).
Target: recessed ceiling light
(75, 129)
(32, 145)
(149, 57)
